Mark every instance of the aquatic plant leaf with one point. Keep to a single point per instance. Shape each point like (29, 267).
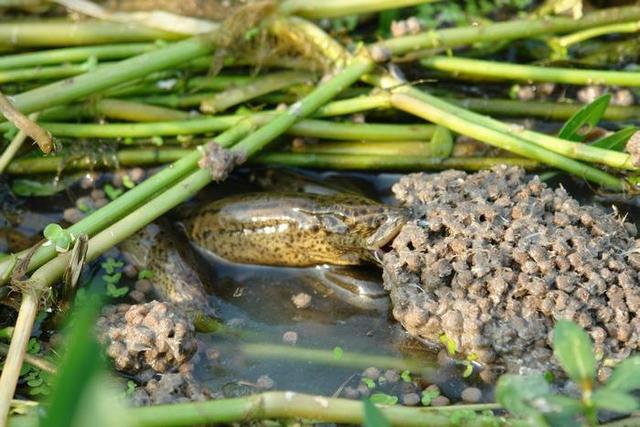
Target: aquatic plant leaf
(572, 347)
(373, 417)
(518, 392)
(384, 399)
(616, 141)
(338, 352)
(626, 376)
(617, 401)
(588, 115)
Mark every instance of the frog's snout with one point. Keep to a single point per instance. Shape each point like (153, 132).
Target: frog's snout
(388, 230)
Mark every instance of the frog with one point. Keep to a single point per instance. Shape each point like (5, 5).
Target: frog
(295, 229)
(277, 228)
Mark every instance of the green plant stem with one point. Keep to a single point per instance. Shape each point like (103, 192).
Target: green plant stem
(58, 32)
(355, 105)
(511, 30)
(580, 36)
(389, 163)
(327, 357)
(291, 405)
(308, 127)
(260, 86)
(379, 148)
(362, 131)
(141, 112)
(137, 112)
(317, 9)
(423, 108)
(104, 77)
(567, 148)
(480, 68)
(74, 54)
(42, 73)
(543, 109)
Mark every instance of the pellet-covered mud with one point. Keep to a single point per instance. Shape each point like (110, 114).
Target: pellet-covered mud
(492, 260)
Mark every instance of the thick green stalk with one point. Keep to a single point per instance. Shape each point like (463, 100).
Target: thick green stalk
(137, 112)
(42, 73)
(308, 127)
(104, 77)
(318, 9)
(58, 32)
(291, 405)
(388, 163)
(564, 147)
(511, 30)
(74, 54)
(422, 108)
(140, 112)
(543, 109)
(307, 106)
(379, 148)
(362, 131)
(605, 30)
(253, 89)
(461, 67)
(355, 105)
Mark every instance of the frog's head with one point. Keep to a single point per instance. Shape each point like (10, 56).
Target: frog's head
(388, 225)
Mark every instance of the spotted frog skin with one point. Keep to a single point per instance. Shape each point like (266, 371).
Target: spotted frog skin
(294, 229)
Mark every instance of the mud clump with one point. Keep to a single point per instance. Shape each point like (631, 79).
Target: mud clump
(491, 261)
(146, 336)
(170, 388)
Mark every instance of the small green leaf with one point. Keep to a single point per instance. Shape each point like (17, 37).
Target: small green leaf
(131, 387)
(34, 346)
(373, 417)
(616, 401)
(468, 369)
(337, 353)
(383, 399)
(406, 376)
(52, 231)
(128, 182)
(428, 395)
(625, 376)
(369, 383)
(572, 347)
(110, 265)
(113, 278)
(112, 192)
(145, 274)
(588, 115)
(115, 292)
(449, 344)
(616, 141)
